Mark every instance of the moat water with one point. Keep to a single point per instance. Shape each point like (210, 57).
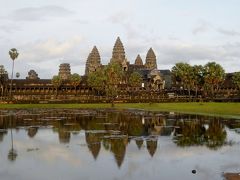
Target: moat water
(64, 144)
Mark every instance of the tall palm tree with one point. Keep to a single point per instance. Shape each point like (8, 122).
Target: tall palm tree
(214, 75)
(198, 78)
(13, 55)
(183, 75)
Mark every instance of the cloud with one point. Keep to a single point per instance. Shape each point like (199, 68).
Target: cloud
(184, 51)
(50, 49)
(9, 28)
(51, 153)
(45, 56)
(39, 13)
(131, 30)
(227, 54)
(124, 20)
(228, 32)
(81, 21)
(119, 17)
(202, 27)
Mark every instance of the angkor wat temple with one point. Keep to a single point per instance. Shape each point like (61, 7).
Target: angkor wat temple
(156, 84)
(152, 77)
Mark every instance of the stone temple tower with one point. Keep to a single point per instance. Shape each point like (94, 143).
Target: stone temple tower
(138, 61)
(118, 54)
(93, 61)
(64, 71)
(151, 60)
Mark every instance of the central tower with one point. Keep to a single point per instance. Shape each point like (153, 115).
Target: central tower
(93, 61)
(118, 53)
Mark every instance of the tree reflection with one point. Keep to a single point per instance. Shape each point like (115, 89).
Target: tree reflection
(12, 154)
(135, 127)
(216, 134)
(3, 127)
(189, 132)
(197, 132)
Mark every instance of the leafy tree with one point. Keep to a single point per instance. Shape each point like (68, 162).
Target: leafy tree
(183, 75)
(97, 80)
(13, 55)
(17, 75)
(135, 79)
(236, 79)
(56, 82)
(3, 79)
(214, 75)
(107, 79)
(75, 80)
(113, 73)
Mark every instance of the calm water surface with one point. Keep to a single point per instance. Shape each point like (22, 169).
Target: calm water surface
(78, 144)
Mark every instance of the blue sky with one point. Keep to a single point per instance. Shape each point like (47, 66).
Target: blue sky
(49, 32)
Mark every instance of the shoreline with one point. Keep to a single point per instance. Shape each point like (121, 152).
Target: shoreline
(228, 110)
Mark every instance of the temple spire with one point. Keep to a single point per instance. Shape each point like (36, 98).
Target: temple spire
(95, 56)
(138, 60)
(118, 53)
(151, 61)
(93, 61)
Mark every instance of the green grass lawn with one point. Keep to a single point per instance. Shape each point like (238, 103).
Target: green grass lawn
(217, 109)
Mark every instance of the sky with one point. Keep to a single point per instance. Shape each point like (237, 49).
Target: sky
(50, 32)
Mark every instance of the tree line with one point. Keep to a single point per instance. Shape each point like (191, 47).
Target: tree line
(208, 78)
(75, 80)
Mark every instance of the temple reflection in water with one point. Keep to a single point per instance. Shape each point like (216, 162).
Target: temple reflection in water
(114, 130)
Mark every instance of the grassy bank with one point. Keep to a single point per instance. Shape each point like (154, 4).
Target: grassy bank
(215, 109)
(218, 109)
